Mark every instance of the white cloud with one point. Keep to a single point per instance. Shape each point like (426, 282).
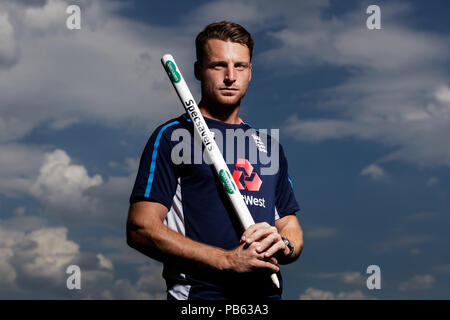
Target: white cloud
(39, 254)
(20, 211)
(123, 289)
(349, 277)
(19, 166)
(320, 129)
(104, 262)
(8, 274)
(13, 128)
(374, 171)
(317, 294)
(442, 268)
(423, 216)
(23, 222)
(100, 284)
(65, 189)
(110, 200)
(8, 46)
(442, 94)
(69, 76)
(119, 252)
(30, 3)
(51, 253)
(432, 181)
(320, 232)
(403, 241)
(33, 254)
(246, 14)
(47, 16)
(63, 123)
(131, 165)
(59, 180)
(62, 186)
(418, 282)
(399, 97)
(395, 92)
(344, 40)
(34, 259)
(351, 295)
(151, 278)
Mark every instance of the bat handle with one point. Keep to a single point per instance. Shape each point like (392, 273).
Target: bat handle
(275, 281)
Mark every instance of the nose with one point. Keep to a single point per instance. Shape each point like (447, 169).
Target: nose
(230, 75)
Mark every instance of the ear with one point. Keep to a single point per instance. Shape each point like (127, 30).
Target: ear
(250, 76)
(197, 71)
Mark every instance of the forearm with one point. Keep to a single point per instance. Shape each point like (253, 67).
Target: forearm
(147, 233)
(295, 235)
(162, 243)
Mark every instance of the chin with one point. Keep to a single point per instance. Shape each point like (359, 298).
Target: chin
(228, 100)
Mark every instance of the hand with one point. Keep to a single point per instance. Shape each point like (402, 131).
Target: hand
(268, 239)
(245, 258)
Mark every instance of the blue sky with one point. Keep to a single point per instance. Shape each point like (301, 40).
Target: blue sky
(364, 119)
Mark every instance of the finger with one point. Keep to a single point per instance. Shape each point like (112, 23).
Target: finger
(261, 234)
(253, 228)
(272, 260)
(267, 242)
(280, 245)
(267, 265)
(248, 234)
(256, 246)
(262, 256)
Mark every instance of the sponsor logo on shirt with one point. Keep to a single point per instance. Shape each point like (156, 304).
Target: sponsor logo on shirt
(246, 179)
(254, 201)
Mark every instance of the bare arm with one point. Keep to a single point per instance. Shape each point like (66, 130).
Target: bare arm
(289, 227)
(269, 238)
(147, 233)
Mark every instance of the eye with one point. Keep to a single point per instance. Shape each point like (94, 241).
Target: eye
(217, 66)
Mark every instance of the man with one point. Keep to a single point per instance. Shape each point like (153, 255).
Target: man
(179, 213)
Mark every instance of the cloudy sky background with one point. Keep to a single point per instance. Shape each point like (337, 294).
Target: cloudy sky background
(364, 118)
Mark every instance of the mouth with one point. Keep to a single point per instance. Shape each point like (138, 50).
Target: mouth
(228, 91)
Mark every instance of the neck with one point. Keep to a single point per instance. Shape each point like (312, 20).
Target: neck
(225, 113)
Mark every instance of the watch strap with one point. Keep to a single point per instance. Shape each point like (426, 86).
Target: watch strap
(289, 245)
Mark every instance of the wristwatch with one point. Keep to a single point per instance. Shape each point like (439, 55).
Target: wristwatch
(289, 245)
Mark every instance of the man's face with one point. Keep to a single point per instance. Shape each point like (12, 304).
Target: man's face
(225, 72)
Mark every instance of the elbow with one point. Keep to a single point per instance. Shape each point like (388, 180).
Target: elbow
(130, 241)
(300, 249)
(131, 237)
(139, 238)
(136, 241)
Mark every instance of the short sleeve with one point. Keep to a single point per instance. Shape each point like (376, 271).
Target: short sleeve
(285, 202)
(157, 177)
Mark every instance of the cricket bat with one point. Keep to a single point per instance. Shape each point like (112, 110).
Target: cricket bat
(212, 150)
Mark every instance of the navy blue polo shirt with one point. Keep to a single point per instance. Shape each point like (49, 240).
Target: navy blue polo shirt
(172, 173)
